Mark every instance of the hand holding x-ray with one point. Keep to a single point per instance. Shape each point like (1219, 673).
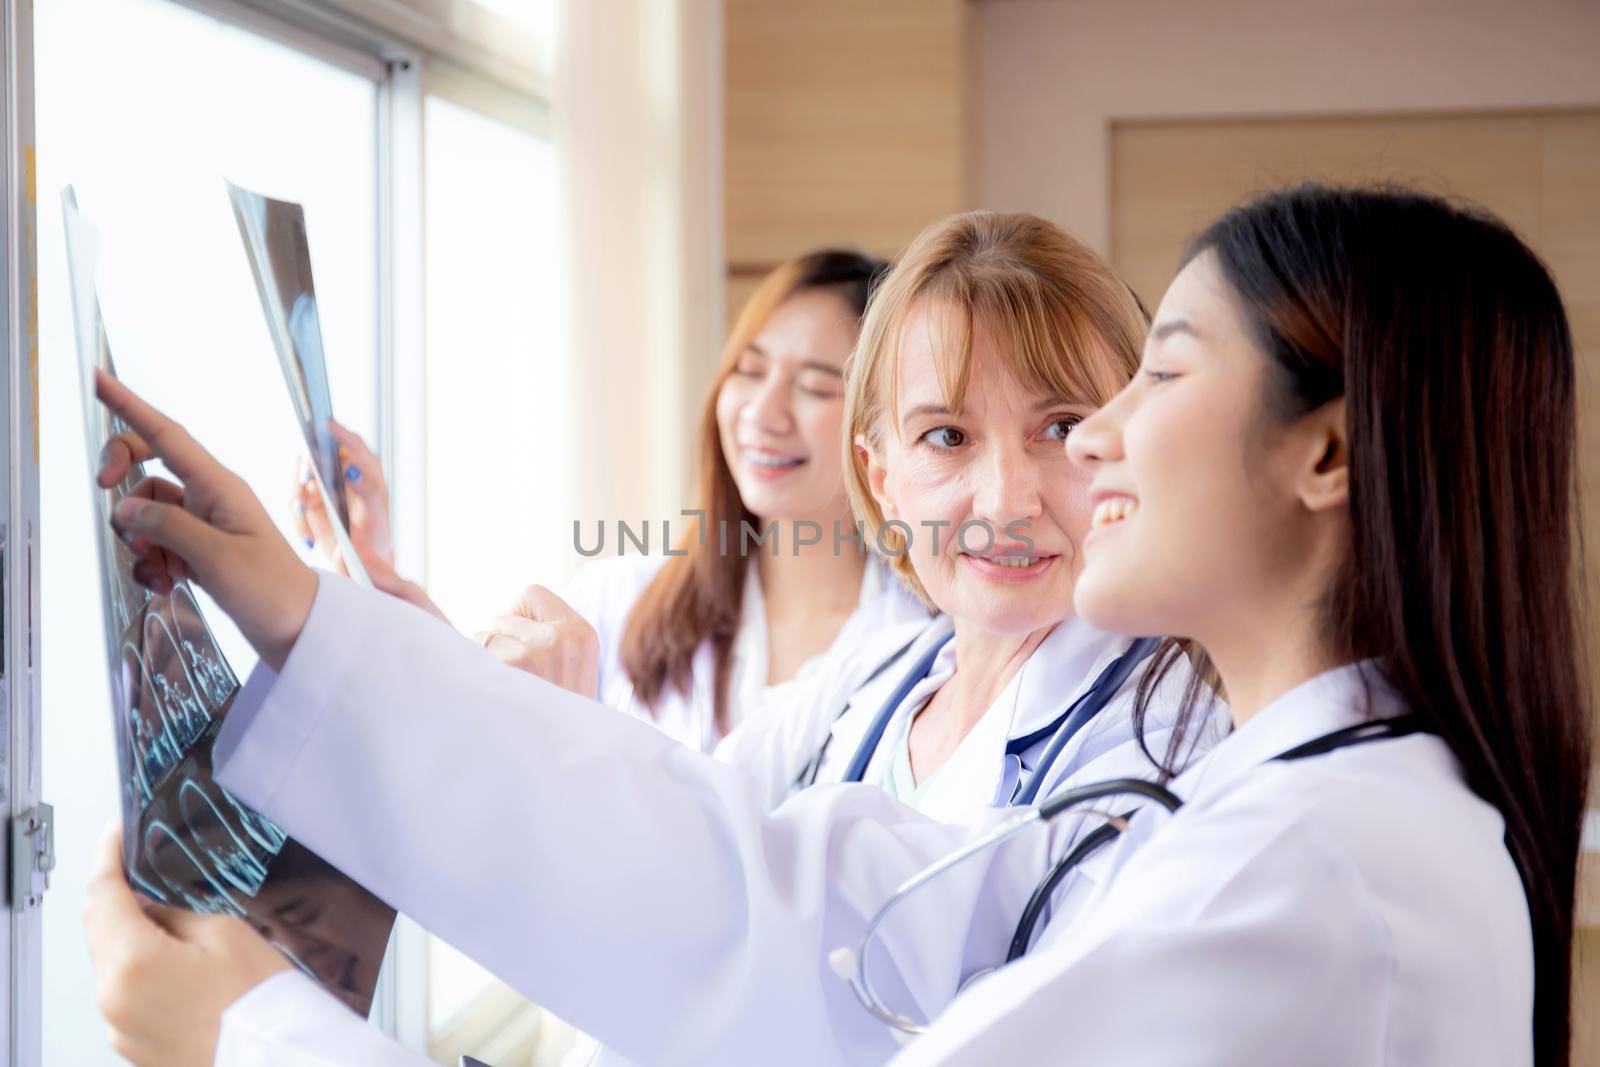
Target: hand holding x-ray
(274, 234)
(368, 496)
(366, 492)
(186, 841)
(210, 528)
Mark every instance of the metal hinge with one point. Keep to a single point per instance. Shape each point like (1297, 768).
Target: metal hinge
(33, 856)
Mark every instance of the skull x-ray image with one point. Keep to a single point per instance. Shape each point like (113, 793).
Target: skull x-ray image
(186, 841)
(274, 234)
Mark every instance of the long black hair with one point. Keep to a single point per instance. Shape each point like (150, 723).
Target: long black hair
(1447, 339)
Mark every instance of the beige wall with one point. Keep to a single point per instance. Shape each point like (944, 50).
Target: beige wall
(1054, 75)
(845, 121)
(637, 122)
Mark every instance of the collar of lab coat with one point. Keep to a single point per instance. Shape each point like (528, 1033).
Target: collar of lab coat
(1064, 665)
(856, 713)
(1329, 701)
(878, 588)
(883, 604)
(749, 649)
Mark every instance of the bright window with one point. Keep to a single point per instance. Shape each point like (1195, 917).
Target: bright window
(498, 465)
(145, 106)
(538, 17)
(497, 421)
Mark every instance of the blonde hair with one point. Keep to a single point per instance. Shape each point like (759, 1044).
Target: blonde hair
(1062, 322)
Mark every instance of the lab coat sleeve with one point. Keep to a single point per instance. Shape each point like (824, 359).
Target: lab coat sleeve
(627, 882)
(1162, 973)
(288, 1021)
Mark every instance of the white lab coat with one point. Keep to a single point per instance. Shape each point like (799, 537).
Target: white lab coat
(1357, 908)
(832, 711)
(605, 591)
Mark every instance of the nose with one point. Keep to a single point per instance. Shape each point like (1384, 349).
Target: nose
(1098, 439)
(1009, 481)
(769, 409)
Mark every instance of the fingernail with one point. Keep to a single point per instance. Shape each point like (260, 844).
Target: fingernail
(126, 513)
(352, 473)
(305, 474)
(310, 543)
(123, 516)
(299, 509)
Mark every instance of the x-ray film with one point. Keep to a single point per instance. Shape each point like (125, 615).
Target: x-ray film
(186, 841)
(274, 233)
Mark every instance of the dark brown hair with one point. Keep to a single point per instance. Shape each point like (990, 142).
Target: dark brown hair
(696, 596)
(1447, 339)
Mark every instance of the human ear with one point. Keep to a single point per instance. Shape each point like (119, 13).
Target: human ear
(1323, 482)
(877, 474)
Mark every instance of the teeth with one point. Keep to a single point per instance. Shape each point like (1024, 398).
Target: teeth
(1013, 561)
(770, 461)
(1114, 509)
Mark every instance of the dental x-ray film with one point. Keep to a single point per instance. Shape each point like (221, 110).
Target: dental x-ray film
(186, 841)
(274, 234)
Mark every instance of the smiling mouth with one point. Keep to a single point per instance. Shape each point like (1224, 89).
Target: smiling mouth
(1015, 562)
(768, 461)
(1008, 568)
(1112, 510)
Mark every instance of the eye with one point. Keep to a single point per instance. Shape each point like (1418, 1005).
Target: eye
(945, 438)
(749, 368)
(821, 386)
(1160, 375)
(1060, 428)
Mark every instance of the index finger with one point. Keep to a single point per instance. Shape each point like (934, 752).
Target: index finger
(538, 603)
(168, 441)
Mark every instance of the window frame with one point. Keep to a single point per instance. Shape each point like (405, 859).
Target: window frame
(409, 48)
(22, 936)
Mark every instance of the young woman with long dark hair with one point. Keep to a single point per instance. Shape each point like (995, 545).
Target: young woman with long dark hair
(1345, 475)
(1434, 345)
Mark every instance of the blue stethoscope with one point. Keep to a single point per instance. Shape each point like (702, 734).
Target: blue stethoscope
(1063, 727)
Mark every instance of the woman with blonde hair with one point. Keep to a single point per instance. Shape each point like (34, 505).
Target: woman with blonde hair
(995, 335)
